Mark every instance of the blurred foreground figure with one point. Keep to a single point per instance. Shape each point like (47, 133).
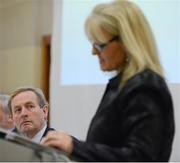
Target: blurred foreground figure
(6, 121)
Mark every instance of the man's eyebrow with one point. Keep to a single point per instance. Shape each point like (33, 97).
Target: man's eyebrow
(29, 102)
(17, 106)
(26, 103)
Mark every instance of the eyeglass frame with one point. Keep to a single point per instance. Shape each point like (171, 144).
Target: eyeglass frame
(100, 47)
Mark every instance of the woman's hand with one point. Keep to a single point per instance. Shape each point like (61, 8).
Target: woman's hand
(58, 139)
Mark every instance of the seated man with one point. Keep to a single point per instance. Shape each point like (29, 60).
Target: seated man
(29, 110)
(6, 121)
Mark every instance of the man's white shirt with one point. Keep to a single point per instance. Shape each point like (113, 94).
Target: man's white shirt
(37, 138)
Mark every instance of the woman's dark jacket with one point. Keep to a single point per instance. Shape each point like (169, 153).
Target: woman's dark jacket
(132, 123)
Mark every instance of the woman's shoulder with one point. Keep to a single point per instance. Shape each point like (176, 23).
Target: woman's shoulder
(147, 84)
(146, 79)
(148, 76)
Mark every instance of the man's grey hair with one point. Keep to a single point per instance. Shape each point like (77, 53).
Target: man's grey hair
(4, 101)
(41, 98)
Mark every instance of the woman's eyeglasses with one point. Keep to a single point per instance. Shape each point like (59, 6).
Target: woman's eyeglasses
(100, 47)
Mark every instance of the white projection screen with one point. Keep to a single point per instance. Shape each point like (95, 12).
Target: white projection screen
(78, 67)
(77, 83)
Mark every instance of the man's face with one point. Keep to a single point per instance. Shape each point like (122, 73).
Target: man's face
(28, 117)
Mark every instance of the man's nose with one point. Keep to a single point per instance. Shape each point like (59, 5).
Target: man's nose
(24, 111)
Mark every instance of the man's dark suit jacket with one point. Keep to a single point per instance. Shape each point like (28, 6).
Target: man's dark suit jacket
(47, 130)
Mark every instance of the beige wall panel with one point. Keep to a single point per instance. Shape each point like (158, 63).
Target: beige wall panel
(21, 67)
(23, 23)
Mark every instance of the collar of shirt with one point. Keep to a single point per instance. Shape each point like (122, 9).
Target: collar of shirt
(37, 138)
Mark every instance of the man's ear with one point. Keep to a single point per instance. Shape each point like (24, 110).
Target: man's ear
(10, 116)
(46, 110)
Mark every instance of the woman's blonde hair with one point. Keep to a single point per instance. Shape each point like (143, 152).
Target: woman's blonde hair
(125, 19)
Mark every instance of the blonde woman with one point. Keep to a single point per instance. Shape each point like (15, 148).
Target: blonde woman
(134, 121)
